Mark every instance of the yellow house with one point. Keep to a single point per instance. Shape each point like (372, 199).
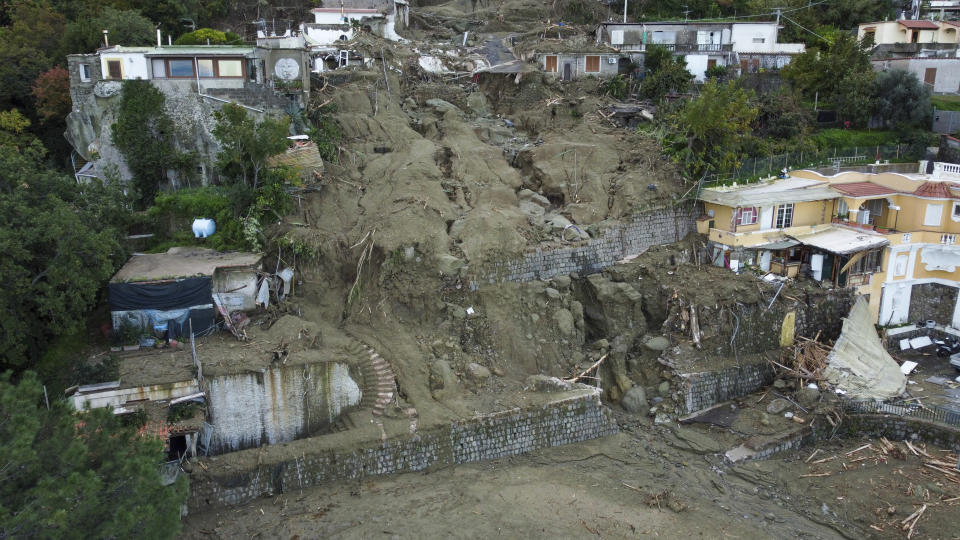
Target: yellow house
(890, 236)
(909, 31)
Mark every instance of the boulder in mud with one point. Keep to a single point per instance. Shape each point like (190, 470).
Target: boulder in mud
(545, 383)
(477, 373)
(777, 406)
(565, 322)
(635, 401)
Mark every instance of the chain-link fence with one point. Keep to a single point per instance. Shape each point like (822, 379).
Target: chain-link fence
(932, 413)
(753, 169)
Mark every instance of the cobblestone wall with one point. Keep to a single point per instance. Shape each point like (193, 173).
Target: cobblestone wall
(706, 389)
(932, 301)
(663, 226)
(494, 436)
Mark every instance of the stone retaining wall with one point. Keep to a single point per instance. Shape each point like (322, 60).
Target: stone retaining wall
(658, 227)
(707, 388)
(494, 436)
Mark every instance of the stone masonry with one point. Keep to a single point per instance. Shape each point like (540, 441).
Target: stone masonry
(706, 389)
(657, 227)
(507, 433)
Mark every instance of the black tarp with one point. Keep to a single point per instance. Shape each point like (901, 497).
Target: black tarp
(184, 293)
(148, 303)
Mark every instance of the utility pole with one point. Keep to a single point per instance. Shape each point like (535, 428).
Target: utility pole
(778, 16)
(624, 11)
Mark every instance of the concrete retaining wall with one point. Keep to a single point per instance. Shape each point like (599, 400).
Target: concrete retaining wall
(499, 435)
(278, 405)
(663, 226)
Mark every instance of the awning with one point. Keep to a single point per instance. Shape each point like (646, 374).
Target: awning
(781, 244)
(841, 241)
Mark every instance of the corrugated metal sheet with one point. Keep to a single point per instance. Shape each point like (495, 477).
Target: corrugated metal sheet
(841, 241)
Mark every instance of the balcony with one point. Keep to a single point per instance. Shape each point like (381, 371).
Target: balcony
(863, 226)
(680, 47)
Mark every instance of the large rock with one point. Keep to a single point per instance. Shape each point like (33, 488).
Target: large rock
(477, 373)
(612, 308)
(545, 383)
(442, 106)
(808, 397)
(565, 322)
(777, 406)
(534, 197)
(635, 401)
(443, 380)
(477, 102)
(449, 265)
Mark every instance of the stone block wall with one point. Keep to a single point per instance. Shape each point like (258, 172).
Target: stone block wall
(507, 433)
(932, 301)
(657, 227)
(707, 388)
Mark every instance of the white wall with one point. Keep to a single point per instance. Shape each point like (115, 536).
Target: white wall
(948, 70)
(697, 64)
(134, 64)
(742, 36)
(329, 36)
(333, 17)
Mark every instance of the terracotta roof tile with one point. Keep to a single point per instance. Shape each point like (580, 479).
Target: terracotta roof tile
(933, 189)
(863, 189)
(920, 25)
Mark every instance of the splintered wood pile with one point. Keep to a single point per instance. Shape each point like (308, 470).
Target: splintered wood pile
(805, 360)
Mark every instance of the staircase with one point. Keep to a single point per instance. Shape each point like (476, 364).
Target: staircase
(378, 384)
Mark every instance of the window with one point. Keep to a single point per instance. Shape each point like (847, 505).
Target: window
(114, 69)
(759, 40)
(252, 69)
(933, 215)
(867, 264)
(955, 213)
(229, 68)
(551, 64)
(785, 216)
(159, 68)
(85, 72)
(593, 64)
(747, 216)
(180, 68)
(205, 67)
(616, 37)
(843, 210)
(900, 266)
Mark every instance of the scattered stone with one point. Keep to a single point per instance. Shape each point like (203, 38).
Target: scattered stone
(779, 384)
(442, 376)
(765, 419)
(635, 401)
(777, 406)
(552, 293)
(449, 265)
(657, 343)
(497, 371)
(477, 373)
(544, 383)
(564, 322)
(534, 197)
(442, 106)
(601, 344)
(561, 282)
(535, 318)
(808, 397)
(664, 389)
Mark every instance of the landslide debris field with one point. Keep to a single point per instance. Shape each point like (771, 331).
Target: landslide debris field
(439, 174)
(649, 481)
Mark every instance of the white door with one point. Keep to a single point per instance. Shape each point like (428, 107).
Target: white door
(766, 218)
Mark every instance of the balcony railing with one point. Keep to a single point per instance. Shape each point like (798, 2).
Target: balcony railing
(688, 47)
(864, 226)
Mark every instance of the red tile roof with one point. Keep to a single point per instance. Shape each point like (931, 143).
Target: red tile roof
(920, 25)
(863, 189)
(933, 189)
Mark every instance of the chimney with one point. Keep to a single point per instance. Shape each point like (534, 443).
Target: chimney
(106, 39)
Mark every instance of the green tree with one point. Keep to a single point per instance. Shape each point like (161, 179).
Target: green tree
(782, 115)
(202, 36)
(713, 128)
(900, 99)
(144, 134)
(57, 255)
(247, 144)
(29, 45)
(125, 27)
(840, 74)
(663, 73)
(68, 475)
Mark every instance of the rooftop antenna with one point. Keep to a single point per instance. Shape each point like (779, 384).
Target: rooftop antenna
(686, 13)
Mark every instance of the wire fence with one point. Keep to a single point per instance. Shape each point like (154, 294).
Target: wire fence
(932, 413)
(754, 169)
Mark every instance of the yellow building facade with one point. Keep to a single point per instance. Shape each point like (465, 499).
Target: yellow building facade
(891, 237)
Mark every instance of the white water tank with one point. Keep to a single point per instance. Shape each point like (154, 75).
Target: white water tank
(816, 265)
(203, 227)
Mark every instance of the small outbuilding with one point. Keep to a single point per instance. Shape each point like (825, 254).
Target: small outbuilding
(183, 289)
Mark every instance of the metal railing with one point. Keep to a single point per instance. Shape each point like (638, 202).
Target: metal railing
(912, 409)
(758, 168)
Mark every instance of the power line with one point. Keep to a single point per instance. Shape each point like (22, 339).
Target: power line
(805, 28)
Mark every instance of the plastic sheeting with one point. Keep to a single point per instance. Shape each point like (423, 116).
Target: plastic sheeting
(166, 295)
(859, 364)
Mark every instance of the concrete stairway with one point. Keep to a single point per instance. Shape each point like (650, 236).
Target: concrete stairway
(378, 383)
